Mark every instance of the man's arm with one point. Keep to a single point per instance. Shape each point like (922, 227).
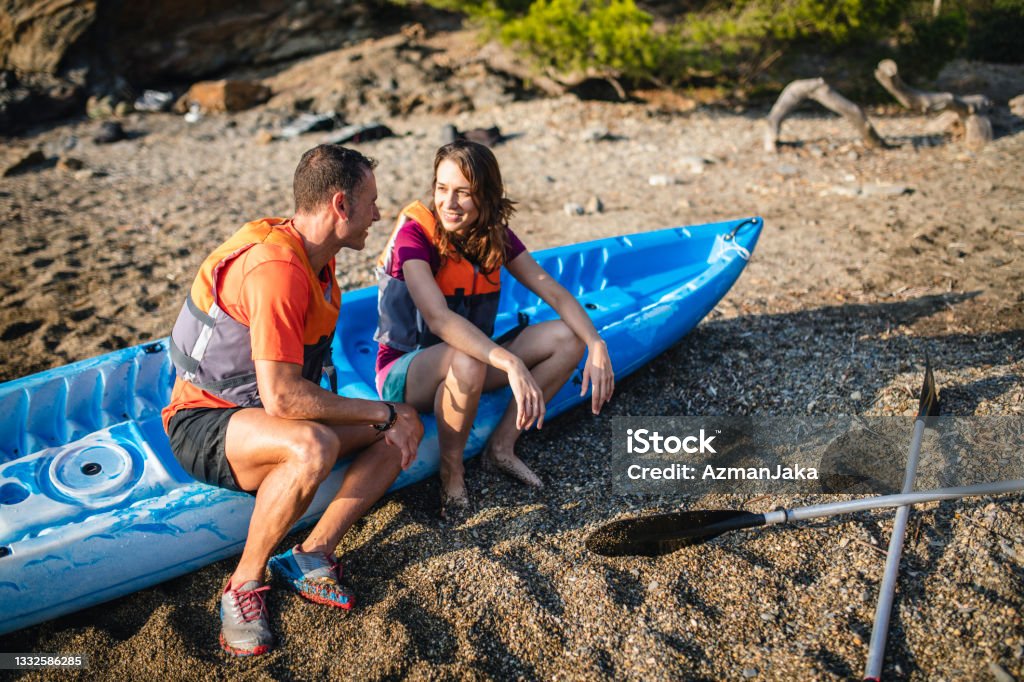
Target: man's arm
(287, 395)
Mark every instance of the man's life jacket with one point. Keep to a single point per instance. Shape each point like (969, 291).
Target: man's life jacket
(468, 292)
(213, 351)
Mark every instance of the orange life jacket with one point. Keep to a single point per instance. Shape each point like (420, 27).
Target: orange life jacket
(213, 351)
(467, 291)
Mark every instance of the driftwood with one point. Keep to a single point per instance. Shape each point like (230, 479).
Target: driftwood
(977, 128)
(822, 93)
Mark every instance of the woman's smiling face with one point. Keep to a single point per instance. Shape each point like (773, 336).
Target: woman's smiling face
(453, 198)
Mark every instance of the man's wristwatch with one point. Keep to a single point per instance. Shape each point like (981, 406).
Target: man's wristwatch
(392, 418)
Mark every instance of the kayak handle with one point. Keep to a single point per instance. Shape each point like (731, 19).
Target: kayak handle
(739, 226)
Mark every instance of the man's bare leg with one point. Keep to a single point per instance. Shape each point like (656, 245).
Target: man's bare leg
(367, 478)
(286, 461)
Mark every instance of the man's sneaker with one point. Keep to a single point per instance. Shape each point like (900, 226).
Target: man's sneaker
(315, 576)
(245, 626)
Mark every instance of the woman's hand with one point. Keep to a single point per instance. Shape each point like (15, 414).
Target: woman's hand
(598, 372)
(529, 397)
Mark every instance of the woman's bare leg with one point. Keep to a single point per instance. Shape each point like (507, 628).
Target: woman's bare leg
(448, 383)
(552, 351)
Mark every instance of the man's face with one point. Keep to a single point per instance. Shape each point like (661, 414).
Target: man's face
(362, 213)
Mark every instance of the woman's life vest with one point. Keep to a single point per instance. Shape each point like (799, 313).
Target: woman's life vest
(468, 292)
(213, 351)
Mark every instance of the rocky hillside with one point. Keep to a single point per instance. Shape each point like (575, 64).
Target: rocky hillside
(53, 53)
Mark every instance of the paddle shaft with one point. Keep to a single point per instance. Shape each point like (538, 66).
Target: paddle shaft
(818, 511)
(886, 593)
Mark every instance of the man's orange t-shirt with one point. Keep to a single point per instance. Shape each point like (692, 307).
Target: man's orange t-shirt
(267, 289)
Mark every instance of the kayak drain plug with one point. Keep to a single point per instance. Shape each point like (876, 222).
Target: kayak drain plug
(91, 468)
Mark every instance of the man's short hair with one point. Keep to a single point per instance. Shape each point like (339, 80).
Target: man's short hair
(325, 170)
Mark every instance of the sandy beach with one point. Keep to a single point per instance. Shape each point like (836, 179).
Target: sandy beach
(869, 259)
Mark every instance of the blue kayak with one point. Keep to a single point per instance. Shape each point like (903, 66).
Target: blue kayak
(93, 505)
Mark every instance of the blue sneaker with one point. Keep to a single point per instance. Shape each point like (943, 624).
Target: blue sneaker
(245, 626)
(314, 576)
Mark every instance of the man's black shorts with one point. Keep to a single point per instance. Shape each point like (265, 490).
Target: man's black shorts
(197, 441)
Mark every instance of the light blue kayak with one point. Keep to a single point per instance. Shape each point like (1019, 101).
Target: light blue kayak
(93, 505)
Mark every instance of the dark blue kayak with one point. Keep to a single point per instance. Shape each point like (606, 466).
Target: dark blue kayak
(94, 506)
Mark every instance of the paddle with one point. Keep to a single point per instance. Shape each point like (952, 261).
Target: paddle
(927, 407)
(665, 533)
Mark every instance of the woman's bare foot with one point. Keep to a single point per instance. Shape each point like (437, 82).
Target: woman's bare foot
(454, 507)
(454, 497)
(509, 464)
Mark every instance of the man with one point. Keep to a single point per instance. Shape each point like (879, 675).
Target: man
(247, 411)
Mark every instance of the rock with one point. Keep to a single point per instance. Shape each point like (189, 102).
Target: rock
(694, 164)
(786, 170)
(309, 123)
(264, 137)
(485, 136)
(99, 107)
(856, 395)
(594, 205)
(35, 36)
(69, 164)
(35, 98)
(749, 672)
(414, 32)
(184, 39)
(573, 209)
(662, 180)
(595, 134)
(19, 159)
(842, 190)
(449, 133)
(998, 82)
(1017, 105)
(110, 131)
(154, 100)
(977, 131)
(223, 96)
(999, 673)
(884, 190)
(365, 132)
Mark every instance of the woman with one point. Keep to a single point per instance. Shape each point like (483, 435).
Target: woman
(436, 351)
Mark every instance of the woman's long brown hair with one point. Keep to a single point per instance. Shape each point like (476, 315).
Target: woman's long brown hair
(485, 241)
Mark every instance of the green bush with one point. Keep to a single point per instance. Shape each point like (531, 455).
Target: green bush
(931, 42)
(737, 41)
(744, 38)
(603, 36)
(996, 32)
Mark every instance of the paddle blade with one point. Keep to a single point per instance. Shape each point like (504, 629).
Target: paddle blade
(928, 406)
(665, 533)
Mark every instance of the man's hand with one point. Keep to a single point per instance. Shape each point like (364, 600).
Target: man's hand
(529, 397)
(598, 372)
(406, 433)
